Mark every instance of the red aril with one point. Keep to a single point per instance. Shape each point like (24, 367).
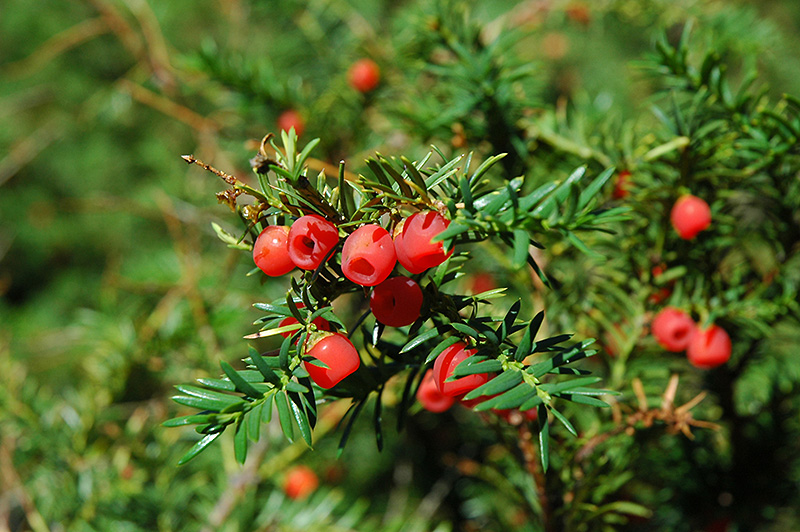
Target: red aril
(622, 185)
(271, 252)
(430, 397)
(310, 239)
(368, 255)
(673, 329)
(364, 75)
(412, 241)
(689, 216)
(300, 482)
(446, 363)
(337, 352)
(709, 347)
(396, 302)
(291, 119)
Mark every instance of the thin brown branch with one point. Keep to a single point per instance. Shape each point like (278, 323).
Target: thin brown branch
(190, 159)
(56, 45)
(12, 483)
(24, 151)
(168, 107)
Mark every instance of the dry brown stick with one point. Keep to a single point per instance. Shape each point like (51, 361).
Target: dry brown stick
(168, 107)
(58, 44)
(155, 45)
(24, 151)
(117, 23)
(13, 482)
(237, 486)
(190, 159)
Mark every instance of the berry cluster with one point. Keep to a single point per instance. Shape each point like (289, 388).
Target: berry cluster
(438, 390)
(705, 348)
(368, 256)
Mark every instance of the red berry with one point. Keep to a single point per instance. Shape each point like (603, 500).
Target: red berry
(271, 252)
(709, 348)
(396, 301)
(364, 75)
(673, 329)
(430, 397)
(337, 352)
(622, 186)
(481, 282)
(662, 293)
(689, 216)
(412, 241)
(368, 255)
(446, 363)
(300, 482)
(291, 119)
(310, 239)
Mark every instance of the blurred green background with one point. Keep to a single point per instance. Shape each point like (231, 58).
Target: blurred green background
(114, 286)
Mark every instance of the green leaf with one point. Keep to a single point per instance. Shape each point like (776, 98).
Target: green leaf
(263, 368)
(582, 399)
(421, 339)
(254, 422)
(300, 416)
(199, 447)
(511, 399)
(284, 415)
(354, 410)
(205, 399)
(564, 421)
(274, 309)
(465, 329)
(526, 344)
(474, 365)
(440, 347)
(413, 172)
(240, 441)
(296, 387)
(503, 382)
(556, 387)
(521, 244)
(241, 384)
(594, 187)
(544, 437)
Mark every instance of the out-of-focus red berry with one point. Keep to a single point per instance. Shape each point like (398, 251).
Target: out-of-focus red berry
(300, 482)
(430, 397)
(709, 347)
(368, 255)
(579, 12)
(364, 75)
(271, 251)
(661, 293)
(446, 363)
(291, 119)
(482, 282)
(396, 302)
(622, 185)
(689, 216)
(673, 329)
(337, 352)
(412, 241)
(310, 239)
